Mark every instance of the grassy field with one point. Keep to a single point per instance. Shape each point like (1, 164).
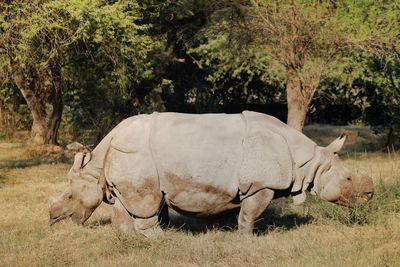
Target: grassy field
(317, 234)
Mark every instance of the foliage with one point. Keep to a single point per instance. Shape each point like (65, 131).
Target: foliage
(100, 49)
(233, 70)
(249, 50)
(315, 38)
(113, 59)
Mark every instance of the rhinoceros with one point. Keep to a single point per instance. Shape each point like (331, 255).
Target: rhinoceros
(203, 165)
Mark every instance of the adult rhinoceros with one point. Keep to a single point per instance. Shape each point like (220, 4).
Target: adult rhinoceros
(203, 165)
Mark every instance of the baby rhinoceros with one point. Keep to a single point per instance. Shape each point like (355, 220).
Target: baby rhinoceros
(203, 165)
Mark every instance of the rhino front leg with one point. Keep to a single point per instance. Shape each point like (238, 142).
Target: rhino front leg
(125, 223)
(251, 208)
(121, 219)
(148, 227)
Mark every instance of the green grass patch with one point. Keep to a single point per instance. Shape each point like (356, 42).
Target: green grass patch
(386, 201)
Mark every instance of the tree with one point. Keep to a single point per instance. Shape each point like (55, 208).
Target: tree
(112, 71)
(298, 43)
(177, 22)
(33, 38)
(207, 67)
(376, 80)
(310, 38)
(45, 42)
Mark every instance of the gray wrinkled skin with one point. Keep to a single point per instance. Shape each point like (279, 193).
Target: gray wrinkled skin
(203, 165)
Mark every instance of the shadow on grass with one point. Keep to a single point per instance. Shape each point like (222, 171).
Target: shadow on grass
(25, 163)
(226, 222)
(22, 163)
(2, 180)
(99, 222)
(271, 219)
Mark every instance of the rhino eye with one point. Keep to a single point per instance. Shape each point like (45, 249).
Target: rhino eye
(348, 178)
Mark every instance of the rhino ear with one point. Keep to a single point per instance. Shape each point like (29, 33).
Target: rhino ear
(337, 144)
(81, 159)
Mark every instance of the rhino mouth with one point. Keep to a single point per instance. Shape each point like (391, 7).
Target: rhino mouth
(354, 201)
(56, 219)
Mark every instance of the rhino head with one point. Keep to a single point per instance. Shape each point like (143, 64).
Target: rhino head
(82, 196)
(335, 183)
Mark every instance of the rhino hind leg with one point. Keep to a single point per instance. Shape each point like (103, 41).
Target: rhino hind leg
(126, 224)
(251, 208)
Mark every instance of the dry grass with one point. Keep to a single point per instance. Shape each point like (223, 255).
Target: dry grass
(316, 235)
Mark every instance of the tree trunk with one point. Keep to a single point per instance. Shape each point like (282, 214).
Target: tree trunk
(31, 83)
(297, 102)
(390, 138)
(57, 104)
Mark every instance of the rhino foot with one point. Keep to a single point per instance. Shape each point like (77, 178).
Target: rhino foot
(151, 232)
(126, 224)
(148, 227)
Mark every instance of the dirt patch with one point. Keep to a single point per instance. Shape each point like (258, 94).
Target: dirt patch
(142, 200)
(204, 200)
(183, 183)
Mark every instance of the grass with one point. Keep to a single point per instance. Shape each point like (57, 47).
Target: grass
(317, 234)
